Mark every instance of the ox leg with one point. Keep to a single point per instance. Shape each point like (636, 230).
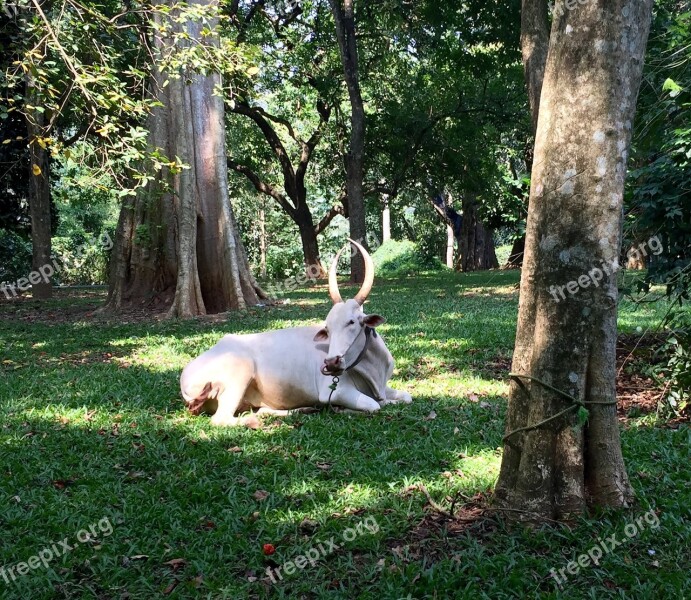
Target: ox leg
(396, 397)
(265, 410)
(350, 397)
(230, 401)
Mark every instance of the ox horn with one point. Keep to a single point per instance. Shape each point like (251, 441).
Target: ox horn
(366, 288)
(333, 283)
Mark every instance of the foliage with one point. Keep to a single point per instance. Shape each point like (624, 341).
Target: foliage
(398, 259)
(659, 187)
(15, 256)
(93, 427)
(675, 370)
(658, 198)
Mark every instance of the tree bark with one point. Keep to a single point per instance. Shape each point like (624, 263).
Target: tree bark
(39, 193)
(566, 341)
(476, 242)
(177, 242)
(534, 47)
(344, 17)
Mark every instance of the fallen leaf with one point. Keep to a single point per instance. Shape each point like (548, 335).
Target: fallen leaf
(176, 563)
(261, 495)
(324, 466)
(61, 484)
(171, 587)
(235, 449)
(308, 526)
(473, 397)
(431, 416)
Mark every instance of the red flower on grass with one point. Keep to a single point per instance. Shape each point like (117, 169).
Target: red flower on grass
(269, 549)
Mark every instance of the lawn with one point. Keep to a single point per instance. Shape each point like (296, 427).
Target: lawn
(95, 436)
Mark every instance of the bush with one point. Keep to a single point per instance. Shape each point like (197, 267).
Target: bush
(675, 371)
(15, 256)
(83, 260)
(398, 259)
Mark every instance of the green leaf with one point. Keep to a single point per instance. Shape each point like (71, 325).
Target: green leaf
(672, 87)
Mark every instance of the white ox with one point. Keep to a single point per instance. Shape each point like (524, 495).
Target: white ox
(290, 369)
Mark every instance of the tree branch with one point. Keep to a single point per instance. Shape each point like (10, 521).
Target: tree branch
(328, 217)
(258, 116)
(261, 186)
(308, 147)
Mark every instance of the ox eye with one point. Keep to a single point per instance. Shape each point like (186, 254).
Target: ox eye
(351, 322)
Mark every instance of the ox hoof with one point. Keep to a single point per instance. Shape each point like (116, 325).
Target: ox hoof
(224, 421)
(397, 398)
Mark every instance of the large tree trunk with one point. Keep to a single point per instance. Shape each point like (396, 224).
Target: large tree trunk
(553, 466)
(177, 242)
(476, 242)
(39, 193)
(347, 42)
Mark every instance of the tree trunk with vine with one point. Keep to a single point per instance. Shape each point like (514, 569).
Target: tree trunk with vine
(552, 468)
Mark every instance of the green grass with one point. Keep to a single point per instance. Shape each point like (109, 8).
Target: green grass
(93, 428)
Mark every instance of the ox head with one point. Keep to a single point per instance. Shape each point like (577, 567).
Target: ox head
(346, 321)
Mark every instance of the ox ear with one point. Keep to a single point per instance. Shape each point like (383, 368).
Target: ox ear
(373, 320)
(322, 335)
(211, 390)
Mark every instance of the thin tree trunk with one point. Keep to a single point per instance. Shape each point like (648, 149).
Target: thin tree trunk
(39, 194)
(385, 219)
(566, 340)
(262, 241)
(515, 259)
(310, 249)
(534, 48)
(450, 239)
(347, 42)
